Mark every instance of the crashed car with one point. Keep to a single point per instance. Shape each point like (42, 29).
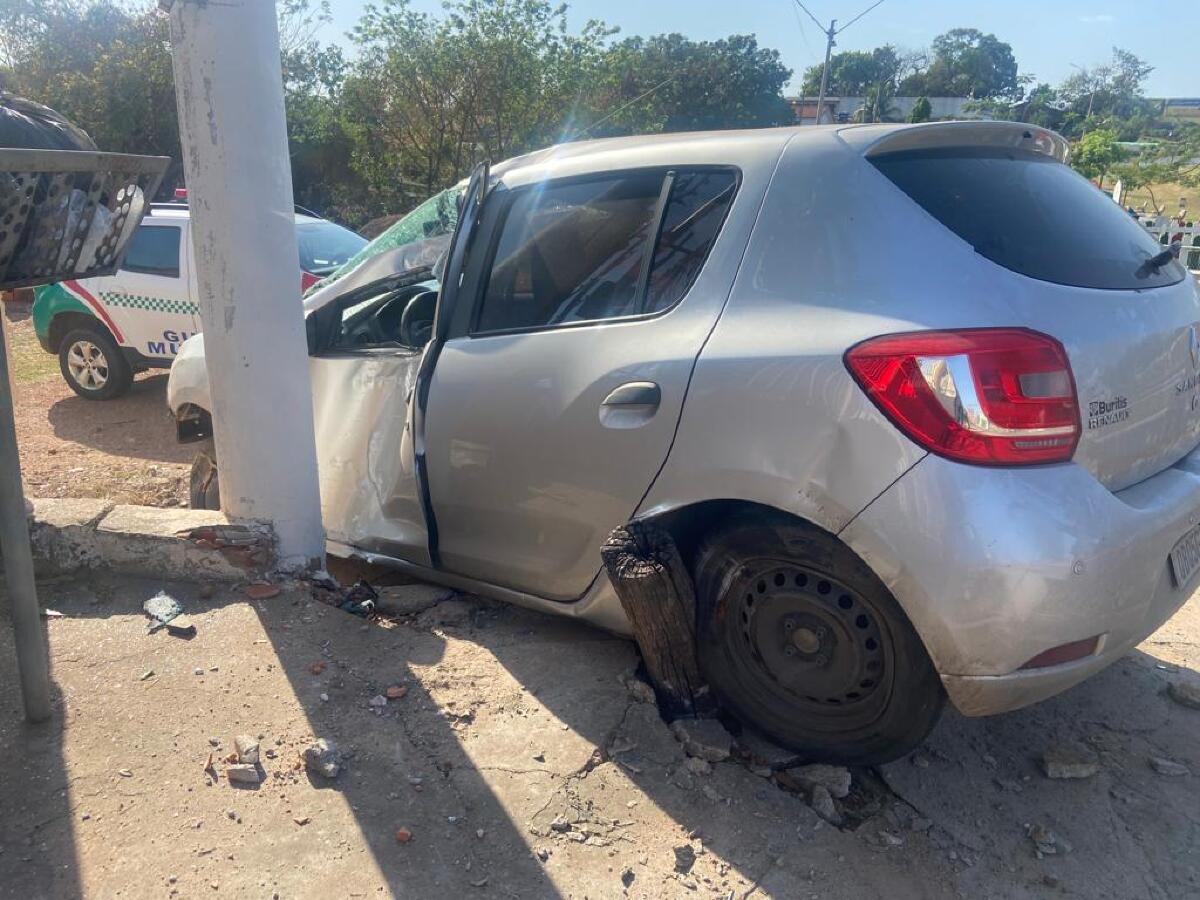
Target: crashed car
(916, 402)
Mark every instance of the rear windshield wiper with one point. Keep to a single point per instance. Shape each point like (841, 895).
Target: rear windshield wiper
(1156, 262)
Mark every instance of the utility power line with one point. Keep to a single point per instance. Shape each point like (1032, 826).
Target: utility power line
(830, 34)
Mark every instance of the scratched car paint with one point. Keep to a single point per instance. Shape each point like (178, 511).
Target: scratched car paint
(916, 402)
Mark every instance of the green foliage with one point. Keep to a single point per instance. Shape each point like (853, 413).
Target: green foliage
(687, 86)
(105, 67)
(921, 110)
(855, 72)
(1096, 153)
(425, 96)
(1173, 159)
(966, 63)
(1108, 96)
(493, 78)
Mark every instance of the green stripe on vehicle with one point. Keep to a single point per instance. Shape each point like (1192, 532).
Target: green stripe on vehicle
(154, 304)
(50, 300)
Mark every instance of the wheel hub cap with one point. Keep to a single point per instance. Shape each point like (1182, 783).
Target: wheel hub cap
(87, 365)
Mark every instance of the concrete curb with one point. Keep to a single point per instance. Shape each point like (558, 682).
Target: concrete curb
(174, 544)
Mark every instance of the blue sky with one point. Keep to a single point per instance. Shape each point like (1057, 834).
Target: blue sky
(1046, 35)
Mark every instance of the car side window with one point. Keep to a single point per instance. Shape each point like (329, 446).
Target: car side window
(693, 218)
(153, 250)
(571, 252)
(576, 251)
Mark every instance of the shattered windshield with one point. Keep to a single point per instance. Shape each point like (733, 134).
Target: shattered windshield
(434, 218)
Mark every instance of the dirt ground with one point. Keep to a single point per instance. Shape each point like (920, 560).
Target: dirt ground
(122, 450)
(522, 766)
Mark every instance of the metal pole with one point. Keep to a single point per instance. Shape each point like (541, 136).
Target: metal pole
(229, 90)
(829, 35)
(32, 660)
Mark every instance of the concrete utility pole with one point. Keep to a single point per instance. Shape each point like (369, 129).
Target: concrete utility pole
(829, 44)
(229, 89)
(830, 33)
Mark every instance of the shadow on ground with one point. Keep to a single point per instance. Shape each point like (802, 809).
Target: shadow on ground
(523, 767)
(137, 425)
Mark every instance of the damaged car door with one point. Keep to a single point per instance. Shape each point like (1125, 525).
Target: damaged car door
(365, 352)
(582, 305)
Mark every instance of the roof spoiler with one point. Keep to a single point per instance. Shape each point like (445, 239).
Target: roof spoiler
(932, 135)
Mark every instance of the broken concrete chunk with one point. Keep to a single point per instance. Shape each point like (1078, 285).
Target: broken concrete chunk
(240, 773)
(410, 599)
(834, 779)
(1168, 767)
(640, 690)
(822, 804)
(703, 738)
(698, 766)
(247, 749)
(1069, 761)
(323, 758)
(762, 752)
(1185, 693)
(685, 858)
(261, 590)
(1046, 842)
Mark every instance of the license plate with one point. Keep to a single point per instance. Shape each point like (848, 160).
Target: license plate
(1185, 557)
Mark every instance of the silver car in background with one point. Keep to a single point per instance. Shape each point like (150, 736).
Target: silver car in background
(919, 405)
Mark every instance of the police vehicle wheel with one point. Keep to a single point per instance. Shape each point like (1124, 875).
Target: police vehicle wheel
(93, 365)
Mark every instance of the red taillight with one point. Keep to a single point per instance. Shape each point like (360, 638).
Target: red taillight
(990, 396)
(307, 280)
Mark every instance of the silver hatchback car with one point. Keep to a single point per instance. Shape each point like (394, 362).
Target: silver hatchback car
(919, 405)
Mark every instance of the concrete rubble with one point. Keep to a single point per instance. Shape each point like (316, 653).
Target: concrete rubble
(704, 739)
(528, 730)
(323, 758)
(70, 535)
(1069, 761)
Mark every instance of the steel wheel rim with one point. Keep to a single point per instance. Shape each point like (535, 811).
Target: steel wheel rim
(88, 365)
(813, 642)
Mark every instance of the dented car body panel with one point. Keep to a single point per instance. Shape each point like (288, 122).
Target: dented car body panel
(537, 441)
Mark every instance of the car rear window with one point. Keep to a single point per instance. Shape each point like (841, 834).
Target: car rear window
(325, 245)
(1031, 214)
(153, 250)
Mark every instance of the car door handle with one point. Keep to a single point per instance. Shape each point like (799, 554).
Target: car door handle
(642, 394)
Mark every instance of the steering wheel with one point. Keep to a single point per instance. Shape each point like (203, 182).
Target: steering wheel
(416, 323)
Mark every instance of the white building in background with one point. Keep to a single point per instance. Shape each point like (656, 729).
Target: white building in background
(843, 109)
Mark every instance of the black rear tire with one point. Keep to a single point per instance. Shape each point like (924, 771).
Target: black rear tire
(93, 365)
(204, 486)
(798, 638)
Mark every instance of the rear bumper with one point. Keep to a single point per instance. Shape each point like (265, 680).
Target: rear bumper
(994, 566)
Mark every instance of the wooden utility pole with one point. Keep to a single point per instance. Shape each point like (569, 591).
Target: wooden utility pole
(657, 595)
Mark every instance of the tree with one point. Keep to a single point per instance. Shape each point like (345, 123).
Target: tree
(1108, 96)
(854, 72)
(431, 95)
(1173, 159)
(966, 63)
(671, 83)
(1095, 154)
(921, 110)
(107, 67)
